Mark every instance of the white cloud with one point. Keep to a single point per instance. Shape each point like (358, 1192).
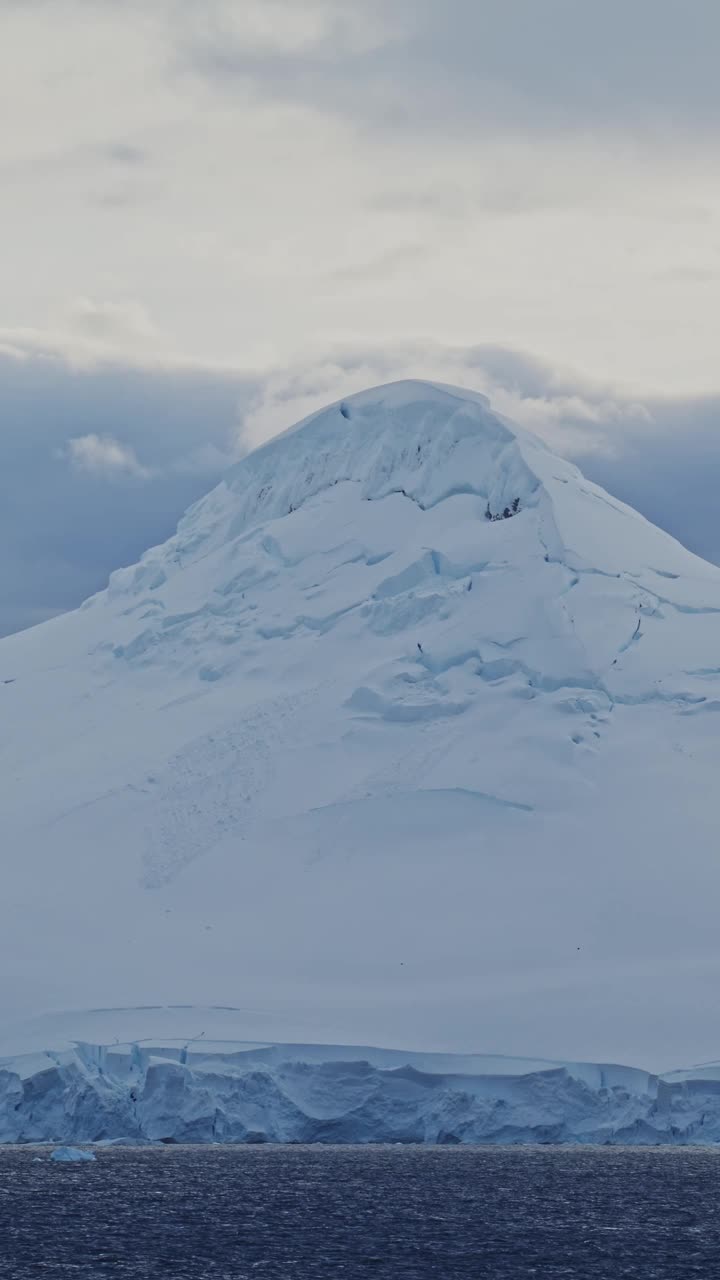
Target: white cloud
(111, 322)
(104, 455)
(226, 30)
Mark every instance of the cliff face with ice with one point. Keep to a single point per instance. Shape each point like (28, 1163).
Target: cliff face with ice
(406, 737)
(198, 1091)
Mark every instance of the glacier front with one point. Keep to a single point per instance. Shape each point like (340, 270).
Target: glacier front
(194, 1089)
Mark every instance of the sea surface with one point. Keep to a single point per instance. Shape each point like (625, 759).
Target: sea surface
(296, 1213)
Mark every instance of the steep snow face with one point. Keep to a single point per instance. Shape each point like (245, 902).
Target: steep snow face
(359, 754)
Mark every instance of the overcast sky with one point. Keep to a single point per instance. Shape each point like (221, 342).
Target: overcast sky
(218, 215)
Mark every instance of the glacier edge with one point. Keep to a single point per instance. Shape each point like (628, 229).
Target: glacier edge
(247, 1092)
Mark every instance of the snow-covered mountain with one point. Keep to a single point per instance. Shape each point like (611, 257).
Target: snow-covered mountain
(406, 737)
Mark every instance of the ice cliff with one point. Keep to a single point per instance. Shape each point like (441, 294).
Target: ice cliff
(249, 1093)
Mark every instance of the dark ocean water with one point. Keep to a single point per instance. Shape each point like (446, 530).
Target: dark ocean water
(296, 1213)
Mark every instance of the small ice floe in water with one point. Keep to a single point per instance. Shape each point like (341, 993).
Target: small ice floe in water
(71, 1154)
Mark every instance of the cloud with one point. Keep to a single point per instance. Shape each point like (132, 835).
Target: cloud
(124, 154)
(93, 336)
(520, 64)
(221, 34)
(217, 180)
(110, 322)
(104, 455)
(383, 266)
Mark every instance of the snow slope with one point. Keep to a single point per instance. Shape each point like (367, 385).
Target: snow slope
(351, 757)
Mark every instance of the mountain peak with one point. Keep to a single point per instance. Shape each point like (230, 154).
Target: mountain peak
(426, 440)
(421, 440)
(429, 445)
